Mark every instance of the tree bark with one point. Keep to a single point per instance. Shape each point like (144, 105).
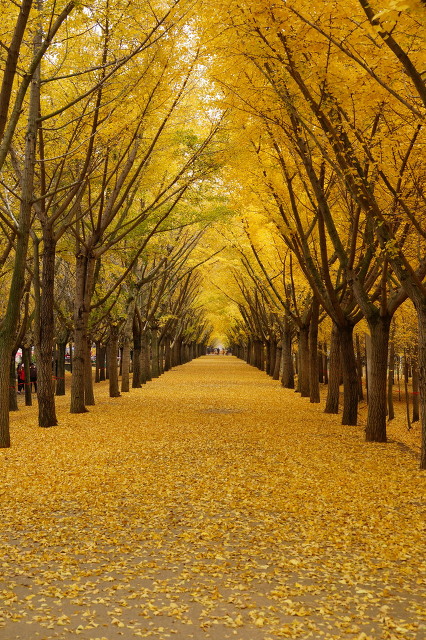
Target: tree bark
(97, 360)
(84, 281)
(127, 333)
(325, 362)
(89, 396)
(136, 380)
(287, 375)
(359, 367)
(320, 365)
(350, 378)
(145, 358)
(112, 359)
(333, 390)
(161, 358)
(71, 350)
(278, 358)
(13, 402)
(421, 319)
(45, 334)
(269, 356)
(375, 430)
(249, 355)
(125, 369)
(167, 354)
(391, 411)
(303, 380)
(26, 359)
(177, 352)
(262, 355)
(102, 362)
(11, 316)
(314, 388)
(415, 382)
(60, 377)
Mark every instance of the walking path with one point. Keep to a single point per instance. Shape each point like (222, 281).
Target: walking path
(210, 504)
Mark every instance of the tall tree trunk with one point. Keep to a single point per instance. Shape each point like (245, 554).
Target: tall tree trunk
(145, 358)
(391, 366)
(167, 354)
(84, 285)
(262, 356)
(249, 353)
(320, 365)
(26, 359)
(97, 360)
(406, 393)
(325, 362)
(278, 358)
(77, 380)
(314, 388)
(359, 367)
(60, 376)
(136, 380)
(375, 430)
(120, 360)
(269, 355)
(102, 362)
(303, 380)
(71, 350)
(125, 369)
(287, 374)
(421, 319)
(415, 383)
(106, 362)
(45, 334)
(181, 354)
(89, 396)
(13, 402)
(128, 331)
(333, 391)
(11, 316)
(350, 378)
(161, 358)
(112, 359)
(177, 349)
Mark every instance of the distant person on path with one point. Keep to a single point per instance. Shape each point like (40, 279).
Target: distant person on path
(33, 376)
(21, 377)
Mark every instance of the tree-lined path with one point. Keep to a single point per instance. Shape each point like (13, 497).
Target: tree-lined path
(212, 503)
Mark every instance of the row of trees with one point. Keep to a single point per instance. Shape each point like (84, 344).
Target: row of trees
(328, 106)
(112, 155)
(282, 330)
(107, 187)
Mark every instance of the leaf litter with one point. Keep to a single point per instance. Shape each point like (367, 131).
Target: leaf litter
(195, 508)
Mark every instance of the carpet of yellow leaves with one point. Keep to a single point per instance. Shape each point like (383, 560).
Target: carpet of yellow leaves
(213, 504)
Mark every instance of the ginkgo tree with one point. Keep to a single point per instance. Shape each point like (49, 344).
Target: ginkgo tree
(17, 217)
(370, 148)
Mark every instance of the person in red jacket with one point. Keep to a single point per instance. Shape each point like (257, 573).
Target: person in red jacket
(21, 377)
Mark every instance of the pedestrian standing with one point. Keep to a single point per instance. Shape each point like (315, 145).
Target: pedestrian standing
(33, 376)
(21, 377)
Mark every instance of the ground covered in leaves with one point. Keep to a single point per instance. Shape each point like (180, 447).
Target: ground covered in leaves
(211, 504)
